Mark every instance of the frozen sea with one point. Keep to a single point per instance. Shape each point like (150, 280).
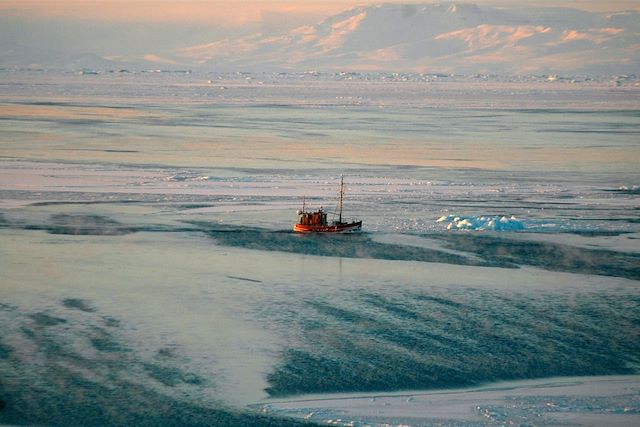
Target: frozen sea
(149, 274)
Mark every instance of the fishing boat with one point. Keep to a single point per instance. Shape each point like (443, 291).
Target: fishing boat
(316, 221)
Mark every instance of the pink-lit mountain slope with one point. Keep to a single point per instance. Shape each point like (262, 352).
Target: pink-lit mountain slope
(439, 37)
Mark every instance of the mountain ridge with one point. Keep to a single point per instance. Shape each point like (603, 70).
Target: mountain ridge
(444, 37)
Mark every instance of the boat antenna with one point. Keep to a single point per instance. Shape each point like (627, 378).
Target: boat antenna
(341, 196)
(304, 201)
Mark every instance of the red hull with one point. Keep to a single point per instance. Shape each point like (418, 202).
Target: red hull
(337, 228)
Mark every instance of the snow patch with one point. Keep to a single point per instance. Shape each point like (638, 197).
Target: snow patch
(485, 35)
(340, 30)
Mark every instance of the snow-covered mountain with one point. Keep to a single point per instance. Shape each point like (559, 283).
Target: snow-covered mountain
(432, 37)
(439, 37)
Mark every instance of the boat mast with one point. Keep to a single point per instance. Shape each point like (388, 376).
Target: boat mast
(341, 195)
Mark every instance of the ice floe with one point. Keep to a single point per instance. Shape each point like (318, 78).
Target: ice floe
(502, 223)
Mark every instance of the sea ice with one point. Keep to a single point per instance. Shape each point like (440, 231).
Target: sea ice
(611, 400)
(501, 223)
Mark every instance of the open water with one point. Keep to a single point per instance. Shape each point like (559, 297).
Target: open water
(149, 274)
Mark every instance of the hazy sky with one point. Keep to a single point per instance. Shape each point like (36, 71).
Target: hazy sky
(119, 27)
(236, 12)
